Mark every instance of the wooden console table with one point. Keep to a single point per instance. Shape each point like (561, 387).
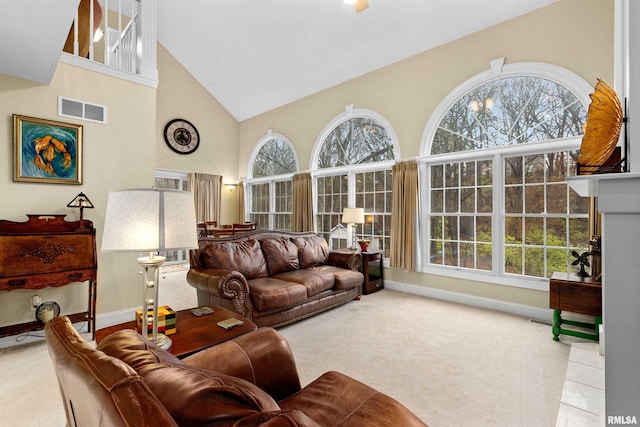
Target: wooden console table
(47, 251)
(576, 294)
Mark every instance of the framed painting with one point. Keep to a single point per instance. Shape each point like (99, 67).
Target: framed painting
(47, 151)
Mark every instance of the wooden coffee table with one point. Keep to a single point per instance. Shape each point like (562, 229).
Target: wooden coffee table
(193, 333)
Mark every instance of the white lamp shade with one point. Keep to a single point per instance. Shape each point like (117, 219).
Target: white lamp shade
(353, 215)
(149, 219)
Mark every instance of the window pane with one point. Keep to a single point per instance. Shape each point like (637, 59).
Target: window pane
(534, 169)
(509, 111)
(534, 198)
(513, 199)
(355, 141)
(557, 198)
(276, 157)
(437, 175)
(436, 200)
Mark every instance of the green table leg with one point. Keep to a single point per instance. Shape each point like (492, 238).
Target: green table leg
(556, 325)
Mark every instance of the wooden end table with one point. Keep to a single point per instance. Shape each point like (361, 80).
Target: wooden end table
(372, 282)
(576, 294)
(193, 333)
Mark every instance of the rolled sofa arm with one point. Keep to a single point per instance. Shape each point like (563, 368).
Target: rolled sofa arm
(224, 284)
(262, 357)
(350, 260)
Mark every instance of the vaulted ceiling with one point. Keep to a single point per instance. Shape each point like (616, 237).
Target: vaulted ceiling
(257, 55)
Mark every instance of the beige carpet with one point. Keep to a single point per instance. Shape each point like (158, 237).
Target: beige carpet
(452, 365)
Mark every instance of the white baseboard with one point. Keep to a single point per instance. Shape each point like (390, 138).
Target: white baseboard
(102, 321)
(535, 313)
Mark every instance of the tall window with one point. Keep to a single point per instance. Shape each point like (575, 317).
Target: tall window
(270, 186)
(353, 169)
(176, 181)
(496, 197)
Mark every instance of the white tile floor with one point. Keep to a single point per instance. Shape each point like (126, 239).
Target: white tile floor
(582, 401)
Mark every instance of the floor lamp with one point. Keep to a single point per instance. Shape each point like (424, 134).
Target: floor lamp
(150, 220)
(353, 216)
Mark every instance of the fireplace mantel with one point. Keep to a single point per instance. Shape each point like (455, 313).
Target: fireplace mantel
(619, 203)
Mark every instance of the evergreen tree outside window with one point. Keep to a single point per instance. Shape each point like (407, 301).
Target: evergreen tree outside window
(496, 194)
(271, 183)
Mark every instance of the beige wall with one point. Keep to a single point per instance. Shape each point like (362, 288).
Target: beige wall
(120, 154)
(115, 155)
(181, 96)
(574, 34)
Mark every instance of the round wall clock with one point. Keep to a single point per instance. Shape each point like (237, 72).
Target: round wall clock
(181, 136)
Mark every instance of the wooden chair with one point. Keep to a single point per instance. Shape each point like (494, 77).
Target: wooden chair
(201, 227)
(247, 226)
(222, 232)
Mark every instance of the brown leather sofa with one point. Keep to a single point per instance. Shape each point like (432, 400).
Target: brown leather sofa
(274, 278)
(249, 381)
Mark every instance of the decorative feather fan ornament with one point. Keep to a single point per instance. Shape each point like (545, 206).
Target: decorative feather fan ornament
(361, 5)
(604, 121)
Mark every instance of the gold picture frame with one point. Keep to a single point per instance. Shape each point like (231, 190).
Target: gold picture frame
(47, 151)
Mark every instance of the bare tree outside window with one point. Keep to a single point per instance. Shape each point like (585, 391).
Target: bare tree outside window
(274, 158)
(271, 203)
(542, 218)
(509, 111)
(356, 141)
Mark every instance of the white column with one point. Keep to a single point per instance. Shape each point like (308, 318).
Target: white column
(147, 39)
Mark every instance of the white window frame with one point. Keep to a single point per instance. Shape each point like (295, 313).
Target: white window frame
(350, 170)
(271, 180)
(578, 86)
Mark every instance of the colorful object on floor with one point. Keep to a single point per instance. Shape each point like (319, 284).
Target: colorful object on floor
(166, 320)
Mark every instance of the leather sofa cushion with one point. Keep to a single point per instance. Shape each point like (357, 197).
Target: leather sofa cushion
(243, 256)
(344, 279)
(280, 254)
(269, 293)
(312, 250)
(315, 281)
(356, 404)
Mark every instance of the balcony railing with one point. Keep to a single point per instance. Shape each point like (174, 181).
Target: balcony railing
(116, 37)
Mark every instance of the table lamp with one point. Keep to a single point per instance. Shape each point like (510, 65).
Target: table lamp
(351, 217)
(150, 220)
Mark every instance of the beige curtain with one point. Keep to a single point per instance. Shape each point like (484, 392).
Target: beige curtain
(207, 195)
(241, 213)
(302, 203)
(404, 211)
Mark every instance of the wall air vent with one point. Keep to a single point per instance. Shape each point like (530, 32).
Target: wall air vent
(82, 110)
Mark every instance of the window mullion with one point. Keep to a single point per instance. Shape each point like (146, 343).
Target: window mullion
(498, 221)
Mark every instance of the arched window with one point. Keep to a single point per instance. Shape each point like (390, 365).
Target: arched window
(275, 157)
(352, 160)
(496, 155)
(270, 187)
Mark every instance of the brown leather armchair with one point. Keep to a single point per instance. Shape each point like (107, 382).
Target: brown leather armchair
(249, 381)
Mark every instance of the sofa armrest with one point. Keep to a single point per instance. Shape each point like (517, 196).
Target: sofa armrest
(351, 260)
(224, 284)
(262, 357)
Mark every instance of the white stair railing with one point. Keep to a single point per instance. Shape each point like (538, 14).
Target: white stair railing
(123, 46)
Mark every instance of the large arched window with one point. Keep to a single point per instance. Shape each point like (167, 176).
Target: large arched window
(270, 187)
(496, 155)
(352, 161)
